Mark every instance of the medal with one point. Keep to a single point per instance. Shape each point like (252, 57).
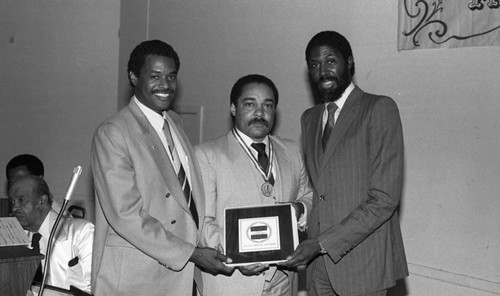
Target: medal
(266, 189)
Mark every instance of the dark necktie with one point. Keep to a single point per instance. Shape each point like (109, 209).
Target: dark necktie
(35, 245)
(263, 159)
(332, 107)
(181, 174)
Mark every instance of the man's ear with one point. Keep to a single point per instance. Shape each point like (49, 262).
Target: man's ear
(350, 63)
(232, 108)
(133, 78)
(44, 199)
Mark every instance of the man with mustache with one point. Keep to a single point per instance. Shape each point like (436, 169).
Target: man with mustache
(234, 176)
(150, 200)
(353, 149)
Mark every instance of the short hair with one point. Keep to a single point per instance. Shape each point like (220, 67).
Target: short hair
(32, 163)
(150, 47)
(334, 40)
(252, 78)
(42, 188)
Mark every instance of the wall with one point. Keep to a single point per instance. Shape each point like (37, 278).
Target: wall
(448, 101)
(58, 81)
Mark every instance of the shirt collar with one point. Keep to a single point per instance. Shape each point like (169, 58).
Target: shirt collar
(45, 227)
(154, 118)
(341, 101)
(248, 141)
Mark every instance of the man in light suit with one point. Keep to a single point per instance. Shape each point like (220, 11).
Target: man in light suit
(234, 177)
(149, 189)
(71, 258)
(354, 154)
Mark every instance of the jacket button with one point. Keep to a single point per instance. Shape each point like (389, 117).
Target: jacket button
(172, 221)
(167, 195)
(322, 197)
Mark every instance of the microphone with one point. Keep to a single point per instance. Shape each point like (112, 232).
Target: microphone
(77, 171)
(76, 174)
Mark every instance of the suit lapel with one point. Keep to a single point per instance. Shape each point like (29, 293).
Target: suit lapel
(314, 132)
(347, 115)
(148, 136)
(196, 183)
(241, 164)
(283, 179)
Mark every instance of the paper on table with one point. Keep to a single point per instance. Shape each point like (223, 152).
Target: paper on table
(12, 233)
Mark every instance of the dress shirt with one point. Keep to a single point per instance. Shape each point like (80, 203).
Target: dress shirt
(340, 103)
(157, 121)
(302, 223)
(248, 141)
(74, 238)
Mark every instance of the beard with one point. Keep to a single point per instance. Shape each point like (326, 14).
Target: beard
(334, 93)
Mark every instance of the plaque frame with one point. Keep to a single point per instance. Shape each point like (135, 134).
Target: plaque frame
(264, 234)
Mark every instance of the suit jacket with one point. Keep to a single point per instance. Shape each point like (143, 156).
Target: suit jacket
(145, 233)
(231, 180)
(73, 239)
(358, 180)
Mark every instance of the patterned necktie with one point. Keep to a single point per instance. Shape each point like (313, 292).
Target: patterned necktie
(181, 173)
(35, 245)
(263, 159)
(332, 107)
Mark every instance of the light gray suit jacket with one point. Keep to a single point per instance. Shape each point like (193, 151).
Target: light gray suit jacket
(231, 180)
(359, 181)
(144, 233)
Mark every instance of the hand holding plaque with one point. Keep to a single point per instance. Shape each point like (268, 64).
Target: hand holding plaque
(260, 234)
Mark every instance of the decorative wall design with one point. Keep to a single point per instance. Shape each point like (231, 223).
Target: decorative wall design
(448, 23)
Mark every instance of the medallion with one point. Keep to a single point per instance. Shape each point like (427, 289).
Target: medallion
(266, 189)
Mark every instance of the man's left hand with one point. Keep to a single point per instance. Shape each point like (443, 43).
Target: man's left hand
(305, 252)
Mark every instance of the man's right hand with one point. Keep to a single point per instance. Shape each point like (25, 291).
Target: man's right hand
(211, 261)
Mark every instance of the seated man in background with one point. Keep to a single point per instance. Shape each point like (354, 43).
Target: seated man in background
(23, 165)
(71, 257)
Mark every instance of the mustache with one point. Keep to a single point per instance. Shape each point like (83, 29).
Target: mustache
(167, 91)
(17, 213)
(258, 120)
(323, 78)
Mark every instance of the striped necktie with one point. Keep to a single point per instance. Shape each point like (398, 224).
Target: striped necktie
(181, 173)
(332, 107)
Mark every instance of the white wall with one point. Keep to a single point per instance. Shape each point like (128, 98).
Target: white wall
(58, 81)
(448, 99)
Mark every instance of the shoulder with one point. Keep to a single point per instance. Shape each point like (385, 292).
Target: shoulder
(214, 146)
(289, 146)
(378, 101)
(78, 223)
(284, 142)
(312, 113)
(121, 119)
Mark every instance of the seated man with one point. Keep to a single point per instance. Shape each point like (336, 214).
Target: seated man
(71, 257)
(26, 164)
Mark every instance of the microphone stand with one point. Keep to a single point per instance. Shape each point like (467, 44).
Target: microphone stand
(76, 174)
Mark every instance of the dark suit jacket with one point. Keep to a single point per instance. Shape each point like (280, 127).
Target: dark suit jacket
(144, 233)
(358, 180)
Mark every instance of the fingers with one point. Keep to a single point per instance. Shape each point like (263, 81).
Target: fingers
(223, 258)
(253, 269)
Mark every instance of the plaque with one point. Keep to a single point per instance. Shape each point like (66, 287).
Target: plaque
(260, 234)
